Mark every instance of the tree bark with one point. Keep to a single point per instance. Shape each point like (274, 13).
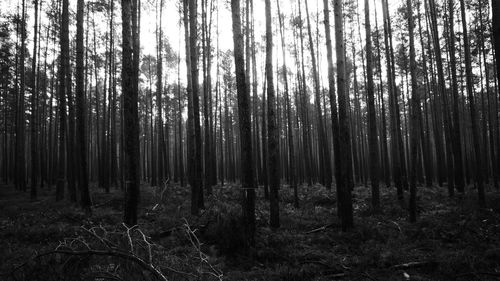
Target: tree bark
(470, 95)
(247, 180)
(345, 177)
(83, 180)
(415, 117)
(130, 107)
(372, 118)
(272, 142)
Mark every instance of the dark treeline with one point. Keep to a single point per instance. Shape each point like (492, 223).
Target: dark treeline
(408, 98)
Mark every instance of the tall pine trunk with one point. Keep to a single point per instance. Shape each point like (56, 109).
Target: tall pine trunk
(247, 180)
(272, 129)
(83, 179)
(372, 122)
(344, 183)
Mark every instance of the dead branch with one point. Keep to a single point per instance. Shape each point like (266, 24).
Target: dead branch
(321, 228)
(415, 264)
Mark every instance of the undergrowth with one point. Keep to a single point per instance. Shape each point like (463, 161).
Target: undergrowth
(452, 240)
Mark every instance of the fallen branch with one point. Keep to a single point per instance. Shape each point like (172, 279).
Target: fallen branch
(415, 264)
(321, 228)
(336, 275)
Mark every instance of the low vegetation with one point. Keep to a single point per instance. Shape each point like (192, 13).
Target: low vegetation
(453, 240)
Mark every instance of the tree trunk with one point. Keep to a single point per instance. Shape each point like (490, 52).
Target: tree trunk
(372, 122)
(345, 177)
(291, 145)
(247, 180)
(331, 92)
(83, 180)
(415, 117)
(64, 62)
(470, 95)
(456, 141)
(272, 129)
(34, 111)
(198, 168)
(130, 107)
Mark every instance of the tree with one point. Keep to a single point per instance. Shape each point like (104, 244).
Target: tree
(456, 141)
(444, 101)
(478, 175)
(63, 88)
(324, 150)
(34, 101)
(272, 130)
(197, 184)
(247, 180)
(496, 34)
(83, 179)
(20, 122)
(415, 117)
(344, 181)
(160, 143)
(372, 119)
(130, 109)
(291, 145)
(331, 92)
(395, 127)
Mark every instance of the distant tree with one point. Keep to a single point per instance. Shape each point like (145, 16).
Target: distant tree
(324, 148)
(34, 107)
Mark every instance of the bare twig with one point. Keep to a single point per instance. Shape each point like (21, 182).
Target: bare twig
(415, 264)
(320, 228)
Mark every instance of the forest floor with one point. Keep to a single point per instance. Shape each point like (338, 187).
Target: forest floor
(452, 240)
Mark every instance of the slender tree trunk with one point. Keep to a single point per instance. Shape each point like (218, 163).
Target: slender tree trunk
(130, 107)
(456, 141)
(21, 126)
(331, 92)
(345, 177)
(34, 111)
(323, 147)
(396, 160)
(247, 180)
(272, 129)
(372, 122)
(444, 99)
(198, 169)
(415, 116)
(64, 61)
(470, 95)
(291, 145)
(159, 87)
(83, 181)
(495, 5)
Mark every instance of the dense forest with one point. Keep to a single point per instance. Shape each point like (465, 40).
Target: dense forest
(249, 140)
